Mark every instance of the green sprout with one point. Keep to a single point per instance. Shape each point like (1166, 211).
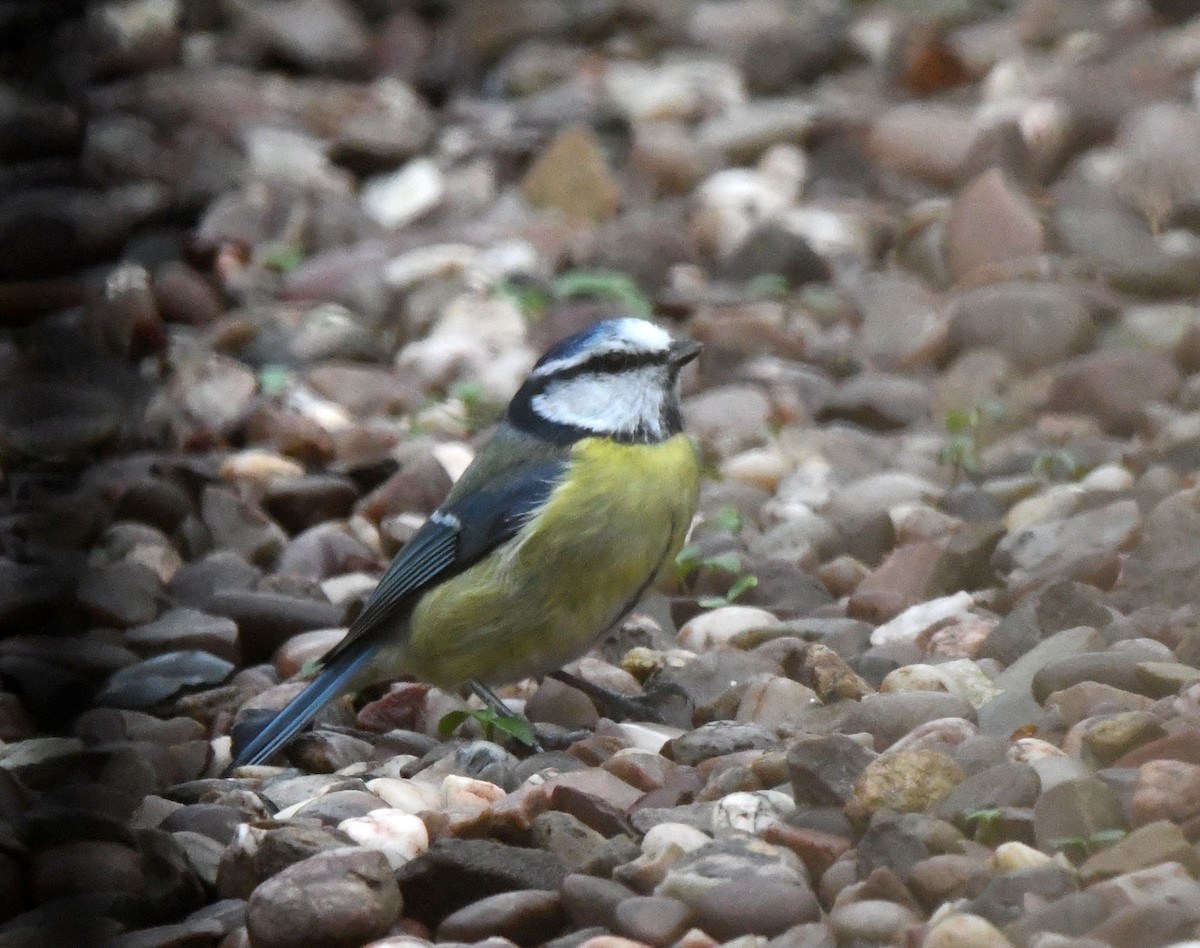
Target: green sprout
(532, 301)
(690, 560)
(1080, 847)
(965, 427)
(1058, 464)
(490, 721)
(282, 257)
(984, 825)
(770, 285)
(729, 519)
(273, 379)
(605, 284)
(478, 410)
(310, 668)
(740, 585)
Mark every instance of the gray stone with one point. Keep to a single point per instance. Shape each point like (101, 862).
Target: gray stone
(343, 897)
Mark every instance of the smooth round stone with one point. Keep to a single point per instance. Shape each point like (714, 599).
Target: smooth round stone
(340, 805)
(873, 921)
(1033, 324)
(1014, 856)
(1165, 789)
(945, 877)
(964, 931)
(336, 899)
(591, 901)
(527, 917)
(399, 836)
(260, 850)
(1117, 669)
(752, 812)
(718, 626)
(566, 837)
(664, 835)
(718, 739)
(762, 907)
(87, 866)
(653, 920)
(906, 781)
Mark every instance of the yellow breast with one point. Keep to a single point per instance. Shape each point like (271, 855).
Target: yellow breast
(618, 518)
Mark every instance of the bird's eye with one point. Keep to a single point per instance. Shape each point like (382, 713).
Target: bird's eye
(613, 362)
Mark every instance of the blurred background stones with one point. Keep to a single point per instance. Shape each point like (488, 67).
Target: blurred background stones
(928, 671)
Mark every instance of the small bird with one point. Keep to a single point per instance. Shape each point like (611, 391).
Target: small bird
(570, 512)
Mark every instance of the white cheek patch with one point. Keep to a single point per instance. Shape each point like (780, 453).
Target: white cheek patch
(601, 403)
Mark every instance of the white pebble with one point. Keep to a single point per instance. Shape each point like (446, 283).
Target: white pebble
(716, 628)
(401, 197)
(685, 837)
(404, 795)
(468, 793)
(751, 812)
(916, 619)
(1012, 856)
(399, 836)
(643, 736)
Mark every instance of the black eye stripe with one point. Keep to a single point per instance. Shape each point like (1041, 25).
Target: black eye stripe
(612, 363)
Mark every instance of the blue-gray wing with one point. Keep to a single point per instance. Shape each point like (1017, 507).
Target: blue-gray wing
(454, 538)
(476, 519)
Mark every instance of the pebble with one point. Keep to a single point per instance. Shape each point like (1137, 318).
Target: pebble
(872, 920)
(652, 920)
(153, 681)
(185, 629)
(944, 275)
(768, 907)
(340, 897)
(406, 195)
(720, 626)
(572, 176)
(399, 836)
(1034, 325)
(964, 931)
(530, 917)
(905, 781)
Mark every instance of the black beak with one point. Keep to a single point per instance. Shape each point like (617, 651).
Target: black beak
(682, 352)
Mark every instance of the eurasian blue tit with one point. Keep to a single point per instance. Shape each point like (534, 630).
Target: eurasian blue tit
(570, 512)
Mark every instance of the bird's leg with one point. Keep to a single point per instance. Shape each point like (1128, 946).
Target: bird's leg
(491, 699)
(617, 706)
(496, 703)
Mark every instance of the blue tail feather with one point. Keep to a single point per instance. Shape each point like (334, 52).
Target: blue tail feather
(333, 680)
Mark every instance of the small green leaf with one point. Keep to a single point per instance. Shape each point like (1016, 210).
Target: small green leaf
(273, 379)
(740, 586)
(729, 562)
(959, 421)
(728, 519)
(605, 284)
(490, 720)
(768, 284)
(712, 602)
(1058, 462)
(451, 722)
(517, 728)
(283, 257)
(687, 560)
(532, 301)
(469, 393)
(310, 668)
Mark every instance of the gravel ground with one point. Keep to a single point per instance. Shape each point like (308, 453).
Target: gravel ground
(930, 666)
